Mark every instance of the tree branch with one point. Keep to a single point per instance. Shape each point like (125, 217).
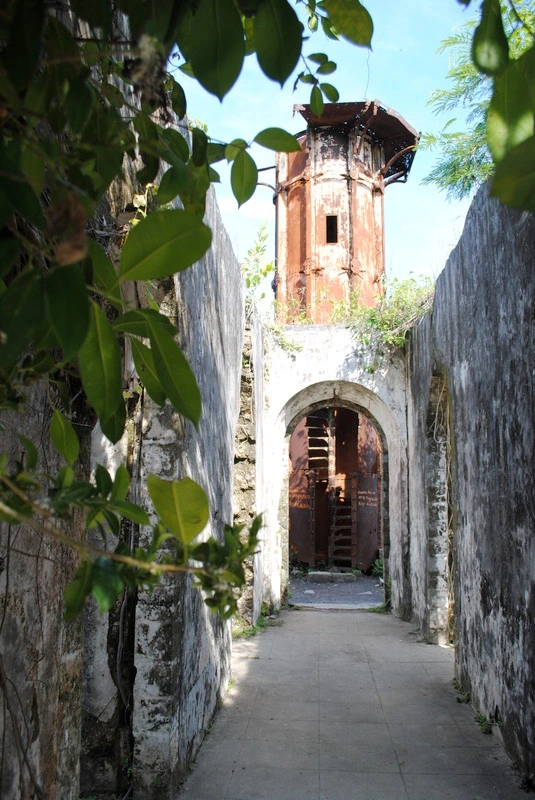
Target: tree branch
(83, 548)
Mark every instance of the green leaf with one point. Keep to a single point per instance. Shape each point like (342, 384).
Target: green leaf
(233, 148)
(181, 505)
(113, 426)
(137, 322)
(327, 68)
(78, 105)
(510, 115)
(243, 177)
(172, 183)
(178, 99)
(66, 477)
(248, 29)
(306, 77)
(217, 45)
(146, 370)
(351, 20)
(103, 480)
(112, 94)
(21, 311)
(278, 34)
(131, 511)
(78, 590)
(147, 129)
(64, 437)
(106, 583)
(174, 373)
(97, 13)
(9, 252)
(318, 58)
(330, 92)
(62, 47)
(177, 144)
(17, 189)
(67, 307)
(33, 167)
(91, 54)
(514, 179)
(149, 143)
(163, 243)
(193, 194)
(328, 29)
(490, 48)
(31, 452)
(25, 41)
(526, 63)
(277, 139)
(104, 274)
(316, 101)
(199, 147)
(215, 152)
(101, 366)
(121, 483)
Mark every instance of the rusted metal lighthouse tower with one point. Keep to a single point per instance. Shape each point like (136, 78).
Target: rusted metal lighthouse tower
(330, 220)
(330, 250)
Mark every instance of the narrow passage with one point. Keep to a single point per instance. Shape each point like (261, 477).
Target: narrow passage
(346, 705)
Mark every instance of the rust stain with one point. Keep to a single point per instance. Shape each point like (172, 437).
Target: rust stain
(335, 490)
(330, 217)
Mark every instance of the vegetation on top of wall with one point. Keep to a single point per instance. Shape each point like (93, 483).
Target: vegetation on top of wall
(384, 327)
(256, 269)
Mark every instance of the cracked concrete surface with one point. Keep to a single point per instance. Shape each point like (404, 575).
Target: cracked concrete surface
(346, 705)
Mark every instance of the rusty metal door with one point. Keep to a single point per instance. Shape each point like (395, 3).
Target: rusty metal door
(367, 520)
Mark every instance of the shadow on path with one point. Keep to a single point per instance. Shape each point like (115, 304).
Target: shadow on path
(346, 705)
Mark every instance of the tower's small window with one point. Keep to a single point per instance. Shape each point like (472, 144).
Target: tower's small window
(332, 230)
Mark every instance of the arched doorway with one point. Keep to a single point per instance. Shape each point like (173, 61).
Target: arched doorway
(334, 496)
(389, 420)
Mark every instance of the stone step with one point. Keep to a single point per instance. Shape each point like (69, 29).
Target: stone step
(331, 577)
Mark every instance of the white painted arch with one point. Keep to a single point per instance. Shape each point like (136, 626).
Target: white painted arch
(326, 370)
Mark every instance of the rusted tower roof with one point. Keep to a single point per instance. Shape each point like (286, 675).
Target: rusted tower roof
(382, 125)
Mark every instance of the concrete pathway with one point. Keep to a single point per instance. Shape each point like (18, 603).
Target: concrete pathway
(346, 705)
(364, 592)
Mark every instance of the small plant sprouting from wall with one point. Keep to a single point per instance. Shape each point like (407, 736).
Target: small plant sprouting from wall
(255, 269)
(463, 697)
(484, 723)
(284, 341)
(242, 630)
(386, 606)
(384, 327)
(378, 567)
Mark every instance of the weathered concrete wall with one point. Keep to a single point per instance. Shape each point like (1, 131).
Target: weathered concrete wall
(40, 655)
(176, 653)
(481, 337)
(182, 650)
(245, 466)
(306, 366)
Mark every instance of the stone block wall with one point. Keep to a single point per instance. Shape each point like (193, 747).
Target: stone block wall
(175, 653)
(245, 467)
(40, 655)
(182, 656)
(480, 341)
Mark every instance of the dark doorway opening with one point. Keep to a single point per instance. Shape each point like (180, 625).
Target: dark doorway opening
(335, 490)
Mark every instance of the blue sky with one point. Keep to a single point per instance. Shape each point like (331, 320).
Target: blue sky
(402, 70)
